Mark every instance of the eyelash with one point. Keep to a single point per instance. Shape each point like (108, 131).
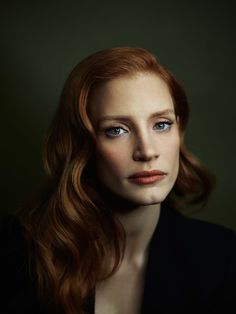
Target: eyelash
(167, 125)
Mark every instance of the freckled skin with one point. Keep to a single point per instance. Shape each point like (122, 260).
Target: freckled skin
(139, 145)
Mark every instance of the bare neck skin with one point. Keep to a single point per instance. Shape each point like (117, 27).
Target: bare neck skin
(122, 292)
(139, 225)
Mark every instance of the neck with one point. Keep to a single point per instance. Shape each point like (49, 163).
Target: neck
(139, 225)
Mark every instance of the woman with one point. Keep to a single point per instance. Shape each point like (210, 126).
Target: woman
(106, 236)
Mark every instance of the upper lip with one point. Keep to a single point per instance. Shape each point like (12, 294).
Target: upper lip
(150, 173)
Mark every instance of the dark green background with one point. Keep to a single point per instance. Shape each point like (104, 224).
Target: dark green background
(42, 41)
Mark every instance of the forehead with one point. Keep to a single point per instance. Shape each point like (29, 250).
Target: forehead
(137, 96)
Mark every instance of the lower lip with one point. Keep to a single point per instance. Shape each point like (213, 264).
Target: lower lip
(147, 180)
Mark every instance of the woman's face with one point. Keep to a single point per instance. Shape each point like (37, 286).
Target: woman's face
(136, 130)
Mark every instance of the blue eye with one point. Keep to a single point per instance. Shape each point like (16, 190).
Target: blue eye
(163, 126)
(114, 132)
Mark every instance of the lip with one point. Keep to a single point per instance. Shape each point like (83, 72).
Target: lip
(144, 174)
(147, 177)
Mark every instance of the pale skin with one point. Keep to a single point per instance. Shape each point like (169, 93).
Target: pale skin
(146, 139)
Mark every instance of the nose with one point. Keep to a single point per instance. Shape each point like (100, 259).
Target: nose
(145, 148)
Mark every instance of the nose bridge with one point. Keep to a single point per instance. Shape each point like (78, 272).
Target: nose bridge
(145, 144)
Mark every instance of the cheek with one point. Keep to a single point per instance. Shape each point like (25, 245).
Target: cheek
(172, 150)
(111, 157)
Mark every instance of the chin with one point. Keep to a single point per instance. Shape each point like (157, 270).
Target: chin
(147, 199)
(150, 202)
(126, 196)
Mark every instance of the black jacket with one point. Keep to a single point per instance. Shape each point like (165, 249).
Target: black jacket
(191, 269)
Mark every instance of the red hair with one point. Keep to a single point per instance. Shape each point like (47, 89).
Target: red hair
(74, 238)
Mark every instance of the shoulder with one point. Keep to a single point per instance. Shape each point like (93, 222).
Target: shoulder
(208, 253)
(11, 238)
(14, 255)
(204, 241)
(201, 234)
(199, 255)
(15, 273)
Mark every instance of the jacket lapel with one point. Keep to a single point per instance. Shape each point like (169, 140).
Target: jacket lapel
(166, 281)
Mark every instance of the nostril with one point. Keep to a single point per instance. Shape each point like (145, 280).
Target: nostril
(144, 156)
(145, 148)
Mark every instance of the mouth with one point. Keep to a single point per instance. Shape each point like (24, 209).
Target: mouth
(147, 177)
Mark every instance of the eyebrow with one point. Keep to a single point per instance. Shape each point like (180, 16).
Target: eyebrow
(128, 118)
